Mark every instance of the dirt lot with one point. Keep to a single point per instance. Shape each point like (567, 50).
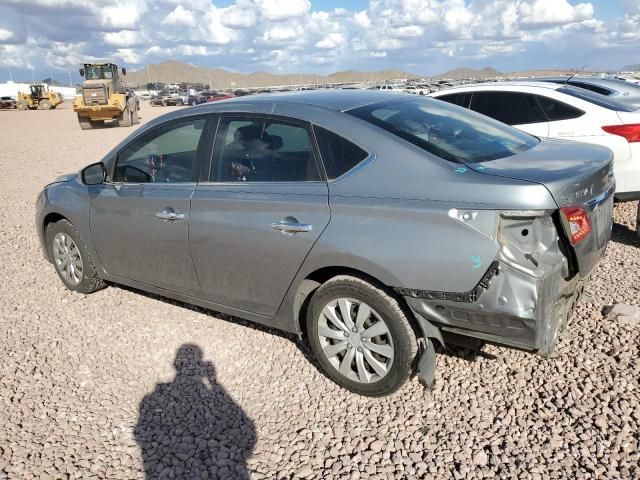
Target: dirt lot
(106, 385)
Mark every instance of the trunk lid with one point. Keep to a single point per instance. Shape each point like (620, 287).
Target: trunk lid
(576, 175)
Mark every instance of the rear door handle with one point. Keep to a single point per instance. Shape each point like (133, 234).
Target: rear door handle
(291, 227)
(170, 215)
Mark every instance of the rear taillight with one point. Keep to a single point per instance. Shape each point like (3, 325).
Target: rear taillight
(630, 131)
(577, 223)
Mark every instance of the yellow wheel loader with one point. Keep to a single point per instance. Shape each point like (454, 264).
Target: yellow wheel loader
(105, 97)
(39, 97)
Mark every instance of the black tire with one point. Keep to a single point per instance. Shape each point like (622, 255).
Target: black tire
(125, 118)
(85, 123)
(90, 281)
(405, 346)
(44, 105)
(194, 103)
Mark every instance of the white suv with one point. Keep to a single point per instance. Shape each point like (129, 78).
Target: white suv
(562, 111)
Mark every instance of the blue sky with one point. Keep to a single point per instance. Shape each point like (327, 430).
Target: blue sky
(314, 36)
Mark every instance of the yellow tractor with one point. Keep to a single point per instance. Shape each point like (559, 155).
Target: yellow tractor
(39, 97)
(105, 97)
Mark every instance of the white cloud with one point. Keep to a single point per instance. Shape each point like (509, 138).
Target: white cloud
(333, 40)
(276, 10)
(544, 12)
(180, 16)
(5, 34)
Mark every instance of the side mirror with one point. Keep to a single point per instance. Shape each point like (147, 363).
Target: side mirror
(94, 174)
(124, 71)
(81, 71)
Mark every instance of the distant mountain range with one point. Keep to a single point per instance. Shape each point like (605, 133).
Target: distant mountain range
(176, 72)
(220, 79)
(631, 68)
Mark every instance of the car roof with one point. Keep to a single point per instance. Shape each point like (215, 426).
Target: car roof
(339, 100)
(510, 83)
(613, 83)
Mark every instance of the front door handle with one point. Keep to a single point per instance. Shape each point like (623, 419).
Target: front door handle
(291, 227)
(170, 215)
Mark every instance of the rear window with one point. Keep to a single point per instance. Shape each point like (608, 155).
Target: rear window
(595, 98)
(594, 88)
(448, 131)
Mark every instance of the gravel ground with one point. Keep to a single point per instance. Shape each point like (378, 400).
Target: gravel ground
(125, 385)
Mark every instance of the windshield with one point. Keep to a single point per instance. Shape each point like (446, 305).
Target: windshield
(448, 131)
(596, 99)
(98, 72)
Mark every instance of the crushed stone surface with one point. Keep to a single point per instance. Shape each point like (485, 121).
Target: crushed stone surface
(126, 385)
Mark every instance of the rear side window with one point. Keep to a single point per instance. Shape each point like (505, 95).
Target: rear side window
(448, 131)
(595, 98)
(556, 110)
(338, 154)
(512, 108)
(260, 150)
(460, 99)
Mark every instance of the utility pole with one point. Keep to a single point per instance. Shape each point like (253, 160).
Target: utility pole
(69, 72)
(50, 77)
(10, 74)
(210, 80)
(33, 77)
(148, 74)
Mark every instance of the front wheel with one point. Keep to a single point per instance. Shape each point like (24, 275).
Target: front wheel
(70, 257)
(360, 336)
(22, 105)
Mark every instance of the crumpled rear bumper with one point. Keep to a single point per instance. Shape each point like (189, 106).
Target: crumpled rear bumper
(514, 309)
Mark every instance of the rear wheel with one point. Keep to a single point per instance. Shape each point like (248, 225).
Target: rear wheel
(361, 336)
(72, 261)
(44, 105)
(22, 105)
(125, 118)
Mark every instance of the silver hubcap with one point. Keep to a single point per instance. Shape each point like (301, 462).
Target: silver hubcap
(356, 340)
(68, 259)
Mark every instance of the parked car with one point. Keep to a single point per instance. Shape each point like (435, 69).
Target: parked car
(618, 90)
(194, 99)
(371, 224)
(7, 102)
(390, 88)
(214, 97)
(565, 112)
(415, 90)
(166, 99)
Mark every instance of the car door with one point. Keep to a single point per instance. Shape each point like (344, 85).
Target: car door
(260, 213)
(517, 109)
(140, 219)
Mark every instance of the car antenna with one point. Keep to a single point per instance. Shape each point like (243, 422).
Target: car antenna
(575, 73)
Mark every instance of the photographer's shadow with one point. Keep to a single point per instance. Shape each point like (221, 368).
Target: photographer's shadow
(190, 428)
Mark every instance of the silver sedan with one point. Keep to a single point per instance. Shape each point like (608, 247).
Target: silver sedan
(374, 225)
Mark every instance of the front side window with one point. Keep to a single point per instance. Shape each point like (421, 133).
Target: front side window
(512, 108)
(448, 131)
(260, 150)
(168, 154)
(460, 99)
